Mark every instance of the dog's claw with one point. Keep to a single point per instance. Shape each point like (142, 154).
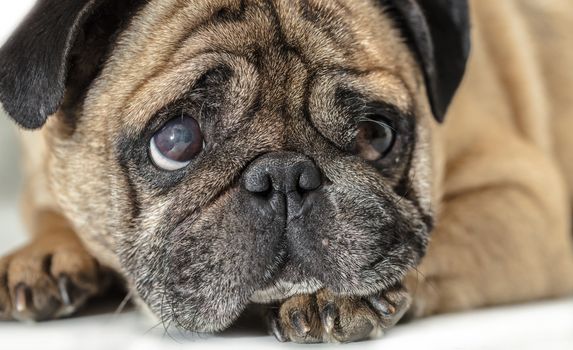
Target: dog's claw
(300, 323)
(391, 306)
(23, 296)
(328, 317)
(63, 287)
(276, 328)
(382, 306)
(31, 292)
(325, 317)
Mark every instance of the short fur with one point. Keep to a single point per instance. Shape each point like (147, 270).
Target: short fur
(291, 80)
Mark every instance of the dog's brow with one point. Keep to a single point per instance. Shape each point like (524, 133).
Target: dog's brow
(396, 75)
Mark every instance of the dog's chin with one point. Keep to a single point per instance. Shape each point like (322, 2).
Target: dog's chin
(219, 300)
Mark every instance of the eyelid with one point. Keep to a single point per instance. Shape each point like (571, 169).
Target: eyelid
(385, 121)
(387, 111)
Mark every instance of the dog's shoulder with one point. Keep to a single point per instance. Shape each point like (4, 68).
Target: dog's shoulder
(515, 78)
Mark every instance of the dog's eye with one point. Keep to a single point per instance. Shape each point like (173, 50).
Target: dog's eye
(176, 144)
(375, 139)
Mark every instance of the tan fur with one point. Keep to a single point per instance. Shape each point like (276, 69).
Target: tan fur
(56, 258)
(502, 162)
(505, 229)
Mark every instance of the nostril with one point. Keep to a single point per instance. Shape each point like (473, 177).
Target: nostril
(310, 178)
(258, 183)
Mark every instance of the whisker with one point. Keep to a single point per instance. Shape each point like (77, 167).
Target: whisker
(152, 328)
(123, 303)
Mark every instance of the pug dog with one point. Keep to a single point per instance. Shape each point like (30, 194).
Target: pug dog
(216, 154)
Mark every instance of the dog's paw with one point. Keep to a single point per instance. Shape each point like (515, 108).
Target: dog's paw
(324, 317)
(48, 279)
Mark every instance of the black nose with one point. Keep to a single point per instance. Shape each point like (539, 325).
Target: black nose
(282, 172)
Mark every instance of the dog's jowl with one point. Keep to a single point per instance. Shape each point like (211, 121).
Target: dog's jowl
(322, 158)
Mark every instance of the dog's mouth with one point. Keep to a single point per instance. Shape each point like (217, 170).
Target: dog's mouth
(282, 289)
(236, 253)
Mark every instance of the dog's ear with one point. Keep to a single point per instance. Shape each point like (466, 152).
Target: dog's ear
(439, 33)
(37, 61)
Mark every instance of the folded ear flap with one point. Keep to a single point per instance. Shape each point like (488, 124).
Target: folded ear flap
(34, 61)
(439, 33)
(60, 43)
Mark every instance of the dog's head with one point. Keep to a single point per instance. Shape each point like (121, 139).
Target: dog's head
(220, 152)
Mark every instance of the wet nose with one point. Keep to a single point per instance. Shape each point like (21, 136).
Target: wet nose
(282, 172)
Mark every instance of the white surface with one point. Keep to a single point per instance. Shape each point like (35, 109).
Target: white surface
(546, 326)
(519, 328)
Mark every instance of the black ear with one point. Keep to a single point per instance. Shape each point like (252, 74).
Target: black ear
(36, 61)
(439, 33)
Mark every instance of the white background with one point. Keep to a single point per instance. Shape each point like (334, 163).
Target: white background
(11, 12)
(546, 325)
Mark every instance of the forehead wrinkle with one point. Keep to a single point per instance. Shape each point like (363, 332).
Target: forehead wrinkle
(310, 39)
(356, 65)
(328, 16)
(177, 44)
(385, 72)
(297, 87)
(238, 35)
(179, 84)
(182, 41)
(180, 52)
(152, 40)
(346, 66)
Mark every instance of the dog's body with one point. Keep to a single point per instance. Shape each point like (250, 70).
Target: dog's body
(499, 178)
(507, 151)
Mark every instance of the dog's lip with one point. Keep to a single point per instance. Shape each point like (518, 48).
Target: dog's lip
(283, 289)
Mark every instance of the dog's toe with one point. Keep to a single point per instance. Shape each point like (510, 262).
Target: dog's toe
(345, 319)
(5, 304)
(391, 306)
(41, 282)
(325, 317)
(297, 320)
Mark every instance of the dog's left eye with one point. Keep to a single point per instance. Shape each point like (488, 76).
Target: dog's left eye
(375, 139)
(177, 143)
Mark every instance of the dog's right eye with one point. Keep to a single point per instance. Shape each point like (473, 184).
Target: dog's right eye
(177, 143)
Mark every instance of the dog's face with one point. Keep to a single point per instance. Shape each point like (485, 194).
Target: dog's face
(236, 151)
